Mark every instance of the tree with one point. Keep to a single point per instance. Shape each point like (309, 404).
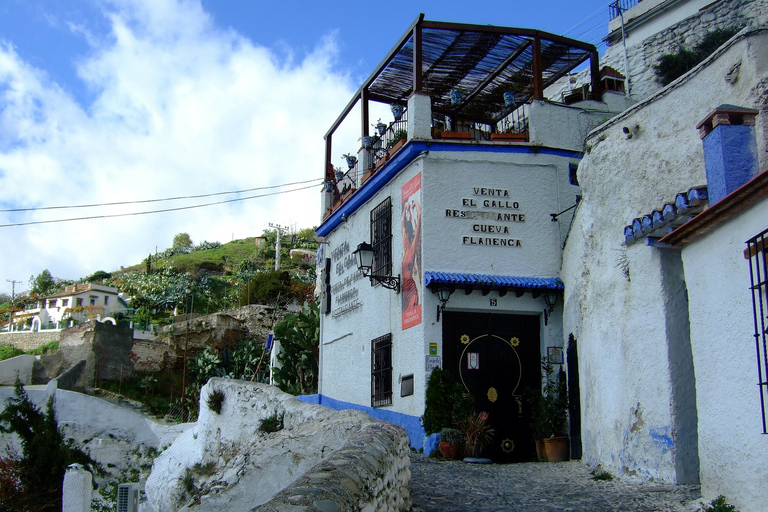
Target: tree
(39, 474)
(42, 284)
(299, 336)
(182, 243)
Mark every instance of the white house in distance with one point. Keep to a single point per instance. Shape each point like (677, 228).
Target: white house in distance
(77, 302)
(475, 203)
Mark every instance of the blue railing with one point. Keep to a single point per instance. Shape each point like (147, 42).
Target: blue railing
(619, 6)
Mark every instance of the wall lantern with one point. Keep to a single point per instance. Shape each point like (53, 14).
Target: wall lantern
(443, 294)
(365, 264)
(550, 299)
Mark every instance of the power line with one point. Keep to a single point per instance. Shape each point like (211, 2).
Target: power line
(153, 200)
(154, 211)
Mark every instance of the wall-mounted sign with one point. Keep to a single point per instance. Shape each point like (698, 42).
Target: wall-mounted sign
(473, 361)
(346, 274)
(411, 264)
(492, 211)
(431, 363)
(432, 348)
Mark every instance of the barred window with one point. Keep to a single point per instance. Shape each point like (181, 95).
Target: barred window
(381, 371)
(381, 238)
(758, 272)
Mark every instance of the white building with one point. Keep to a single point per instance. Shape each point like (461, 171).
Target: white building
(77, 302)
(477, 202)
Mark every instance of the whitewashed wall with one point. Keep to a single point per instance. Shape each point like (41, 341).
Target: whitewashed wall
(732, 448)
(623, 337)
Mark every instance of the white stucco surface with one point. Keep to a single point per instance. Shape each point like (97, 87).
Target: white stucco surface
(249, 466)
(615, 301)
(732, 447)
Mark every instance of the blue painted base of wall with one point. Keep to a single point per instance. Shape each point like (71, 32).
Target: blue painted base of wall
(411, 424)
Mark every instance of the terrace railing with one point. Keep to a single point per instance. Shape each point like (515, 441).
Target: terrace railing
(616, 8)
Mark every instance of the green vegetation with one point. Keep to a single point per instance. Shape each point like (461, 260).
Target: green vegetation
(272, 423)
(598, 475)
(215, 400)
(719, 505)
(672, 66)
(447, 405)
(9, 352)
(299, 335)
(34, 481)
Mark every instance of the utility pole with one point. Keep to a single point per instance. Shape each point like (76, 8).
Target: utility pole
(278, 232)
(13, 287)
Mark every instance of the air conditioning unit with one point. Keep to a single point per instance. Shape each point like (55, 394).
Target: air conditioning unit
(128, 498)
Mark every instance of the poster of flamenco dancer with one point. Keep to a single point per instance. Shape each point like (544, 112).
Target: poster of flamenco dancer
(411, 272)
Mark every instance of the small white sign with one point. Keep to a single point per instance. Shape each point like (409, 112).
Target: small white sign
(432, 362)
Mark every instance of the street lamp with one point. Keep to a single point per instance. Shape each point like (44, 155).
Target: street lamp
(443, 294)
(550, 299)
(364, 254)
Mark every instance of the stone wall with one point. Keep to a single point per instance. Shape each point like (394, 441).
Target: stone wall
(28, 340)
(341, 460)
(687, 34)
(149, 355)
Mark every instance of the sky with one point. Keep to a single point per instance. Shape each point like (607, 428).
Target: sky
(134, 101)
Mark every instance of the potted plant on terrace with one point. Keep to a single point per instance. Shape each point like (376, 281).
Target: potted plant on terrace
(550, 412)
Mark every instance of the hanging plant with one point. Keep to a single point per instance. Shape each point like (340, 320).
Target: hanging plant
(397, 111)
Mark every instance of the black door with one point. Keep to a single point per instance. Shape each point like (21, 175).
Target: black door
(496, 358)
(574, 397)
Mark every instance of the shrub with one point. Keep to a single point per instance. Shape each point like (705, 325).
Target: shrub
(719, 505)
(672, 66)
(215, 400)
(447, 403)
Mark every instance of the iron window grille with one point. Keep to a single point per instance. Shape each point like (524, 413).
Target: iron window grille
(758, 273)
(381, 239)
(381, 371)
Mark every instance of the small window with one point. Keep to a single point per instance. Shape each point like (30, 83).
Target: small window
(381, 238)
(93, 300)
(106, 300)
(573, 177)
(756, 253)
(52, 303)
(65, 302)
(381, 371)
(79, 302)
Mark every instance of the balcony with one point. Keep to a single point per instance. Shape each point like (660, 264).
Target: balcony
(452, 82)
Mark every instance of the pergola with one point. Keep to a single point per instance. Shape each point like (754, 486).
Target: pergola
(482, 61)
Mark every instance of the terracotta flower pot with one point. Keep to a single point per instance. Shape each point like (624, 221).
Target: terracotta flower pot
(556, 449)
(448, 450)
(540, 450)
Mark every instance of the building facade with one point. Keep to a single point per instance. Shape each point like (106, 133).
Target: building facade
(475, 203)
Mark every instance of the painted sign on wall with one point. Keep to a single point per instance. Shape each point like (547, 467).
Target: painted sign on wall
(491, 212)
(411, 265)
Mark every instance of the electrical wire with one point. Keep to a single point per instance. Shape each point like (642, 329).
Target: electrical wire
(155, 211)
(198, 196)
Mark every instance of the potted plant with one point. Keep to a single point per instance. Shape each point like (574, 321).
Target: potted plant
(398, 139)
(381, 128)
(550, 412)
(397, 111)
(451, 443)
(350, 158)
(477, 434)
(446, 402)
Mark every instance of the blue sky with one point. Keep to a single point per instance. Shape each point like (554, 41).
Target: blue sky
(122, 100)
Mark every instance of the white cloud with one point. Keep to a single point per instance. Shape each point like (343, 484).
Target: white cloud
(182, 107)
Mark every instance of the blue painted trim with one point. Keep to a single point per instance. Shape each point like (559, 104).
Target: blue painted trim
(411, 424)
(408, 154)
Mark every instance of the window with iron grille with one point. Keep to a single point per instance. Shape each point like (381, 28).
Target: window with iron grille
(381, 239)
(381, 371)
(758, 272)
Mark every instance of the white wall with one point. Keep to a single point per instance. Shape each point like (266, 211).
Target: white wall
(625, 342)
(537, 181)
(732, 448)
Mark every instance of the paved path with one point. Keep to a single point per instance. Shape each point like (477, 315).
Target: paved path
(536, 486)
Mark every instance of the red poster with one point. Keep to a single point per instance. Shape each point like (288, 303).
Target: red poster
(412, 274)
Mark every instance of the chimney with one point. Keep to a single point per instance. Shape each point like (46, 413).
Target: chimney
(730, 149)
